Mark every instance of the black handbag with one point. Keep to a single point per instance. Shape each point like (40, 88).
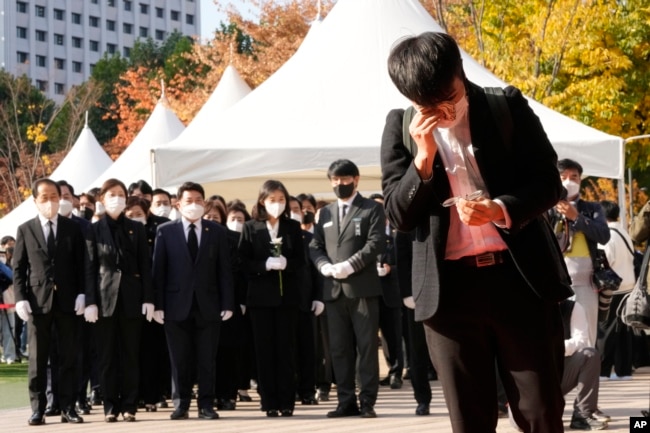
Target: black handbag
(634, 309)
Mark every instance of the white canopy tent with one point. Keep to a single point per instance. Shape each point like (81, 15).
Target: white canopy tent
(329, 101)
(79, 168)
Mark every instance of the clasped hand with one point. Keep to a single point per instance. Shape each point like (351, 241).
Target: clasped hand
(479, 212)
(276, 263)
(339, 271)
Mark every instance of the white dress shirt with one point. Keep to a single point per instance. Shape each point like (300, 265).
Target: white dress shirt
(46, 227)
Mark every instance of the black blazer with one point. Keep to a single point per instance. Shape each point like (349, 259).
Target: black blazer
(525, 178)
(177, 280)
(360, 240)
(127, 274)
(255, 248)
(36, 277)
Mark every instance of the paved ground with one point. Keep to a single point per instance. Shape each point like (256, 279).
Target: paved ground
(395, 409)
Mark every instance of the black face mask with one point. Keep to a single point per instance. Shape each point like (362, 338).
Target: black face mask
(308, 217)
(344, 191)
(88, 214)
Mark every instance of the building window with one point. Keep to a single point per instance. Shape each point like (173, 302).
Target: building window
(160, 35)
(41, 85)
(22, 57)
(21, 7)
(189, 19)
(91, 67)
(59, 63)
(126, 51)
(58, 39)
(127, 5)
(110, 25)
(174, 15)
(58, 88)
(77, 42)
(160, 12)
(111, 3)
(76, 67)
(59, 15)
(76, 18)
(93, 21)
(21, 32)
(41, 35)
(144, 8)
(127, 28)
(144, 32)
(41, 61)
(94, 1)
(94, 46)
(111, 48)
(40, 11)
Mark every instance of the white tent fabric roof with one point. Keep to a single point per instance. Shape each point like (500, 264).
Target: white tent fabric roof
(330, 101)
(80, 166)
(134, 163)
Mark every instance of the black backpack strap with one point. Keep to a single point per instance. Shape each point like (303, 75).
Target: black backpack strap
(408, 141)
(496, 99)
(624, 240)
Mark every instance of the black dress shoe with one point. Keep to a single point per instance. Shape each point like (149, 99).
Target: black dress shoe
(37, 418)
(179, 414)
(343, 411)
(95, 398)
(83, 407)
(52, 411)
(272, 413)
(395, 382)
(309, 400)
(286, 412)
(208, 413)
(244, 397)
(368, 412)
(128, 417)
(71, 416)
(162, 404)
(385, 381)
(422, 409)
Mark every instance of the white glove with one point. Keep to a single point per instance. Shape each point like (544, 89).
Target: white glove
(80, 304)
(159, 316)
(317, 307)
(243, 309)
(381, 271)
(225, 315)
(147, 310)
(91, 314)
(23, 309)
(327, 269)
(282, 263)
(409, 302)
(342, 270)
(271, 263)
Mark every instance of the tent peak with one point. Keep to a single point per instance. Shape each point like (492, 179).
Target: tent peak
(163, 97)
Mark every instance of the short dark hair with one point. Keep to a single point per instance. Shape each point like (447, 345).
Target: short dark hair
(238, 206)
(424, 67)
(66, 184)
(259, 211)
(46, 181)
(218, 198)
(91, 198)
(309, 197)
(342, 167)
(158, 191)
(110, 183)
(612, 210)
(292, 198)
(93, 192)
(142, 185)
(214, 203)
(569, 164)
(190, 186)
(137, 201)
(6, 239)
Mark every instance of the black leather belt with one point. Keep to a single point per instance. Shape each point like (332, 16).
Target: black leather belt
(482, 260)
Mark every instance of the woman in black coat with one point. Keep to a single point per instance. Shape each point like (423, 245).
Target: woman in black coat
(123, 293)
(273, 259)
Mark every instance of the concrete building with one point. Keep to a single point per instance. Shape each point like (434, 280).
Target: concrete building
(57, 42)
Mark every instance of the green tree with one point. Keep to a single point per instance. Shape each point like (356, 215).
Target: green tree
(106, 76)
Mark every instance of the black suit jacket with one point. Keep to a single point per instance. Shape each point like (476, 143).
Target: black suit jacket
(525, 178)
(390, 283)
(36, 276)
(255, 249)
(360, 240)
(127, 274)
(177, 280)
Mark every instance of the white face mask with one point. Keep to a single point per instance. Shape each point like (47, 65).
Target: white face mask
(192, 211)
(297, 217)
(3, 260)
(65, 207)
(76, 212)
(572, 188)
(274, 209)
(114, 205)
(161, 211)
(142, 220)
(459, 112)
(235, 226)
(99, 208)
(48, 209)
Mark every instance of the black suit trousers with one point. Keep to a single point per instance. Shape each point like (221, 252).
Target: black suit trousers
(491, 313)
(118, 348)
(41, 337)
(390, 324)
(306, 354)
(418, 361)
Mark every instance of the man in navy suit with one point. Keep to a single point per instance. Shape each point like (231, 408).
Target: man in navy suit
(194, 292)
(487, 272)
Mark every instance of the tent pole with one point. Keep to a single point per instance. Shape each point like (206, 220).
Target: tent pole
(152, 161)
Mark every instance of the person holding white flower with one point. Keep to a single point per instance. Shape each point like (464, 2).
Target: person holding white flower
(273, 260)
(121, 295)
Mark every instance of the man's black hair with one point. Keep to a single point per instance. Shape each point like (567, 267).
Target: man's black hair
(569, 164)
(342, 167)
